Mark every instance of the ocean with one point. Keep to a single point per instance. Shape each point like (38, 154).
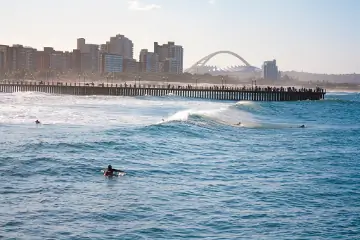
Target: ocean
(192, 172)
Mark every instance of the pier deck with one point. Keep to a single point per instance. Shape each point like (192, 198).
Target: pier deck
(189, 91)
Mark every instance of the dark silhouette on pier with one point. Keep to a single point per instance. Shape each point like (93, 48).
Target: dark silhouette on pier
(214, 92)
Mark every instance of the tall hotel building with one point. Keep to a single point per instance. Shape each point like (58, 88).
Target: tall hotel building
(171, 57)
(118, 47)
(89, 56)
(270, 70)
(121, 45)
(149, 61)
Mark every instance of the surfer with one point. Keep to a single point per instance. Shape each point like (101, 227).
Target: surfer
(239, 123)
(302, 126)
(37, 122)
(109, 172)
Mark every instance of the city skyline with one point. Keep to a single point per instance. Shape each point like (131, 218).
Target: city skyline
(318, 37)
(113, 56)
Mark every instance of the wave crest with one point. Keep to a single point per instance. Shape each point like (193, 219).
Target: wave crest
(240, 114)
(227, 115)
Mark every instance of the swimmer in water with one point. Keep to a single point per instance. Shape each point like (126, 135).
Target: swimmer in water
(37, 122)
(109, 172)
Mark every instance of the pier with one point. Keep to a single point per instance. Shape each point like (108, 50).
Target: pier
(189, 91)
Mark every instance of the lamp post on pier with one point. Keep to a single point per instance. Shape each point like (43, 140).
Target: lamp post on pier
(253, 82)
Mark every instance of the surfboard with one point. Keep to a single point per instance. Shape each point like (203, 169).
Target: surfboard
(120, 174)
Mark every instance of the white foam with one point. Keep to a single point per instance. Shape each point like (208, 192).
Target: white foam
(341, 92)
(107, 111)
(26, 107)
(246, 103)
(223, 114)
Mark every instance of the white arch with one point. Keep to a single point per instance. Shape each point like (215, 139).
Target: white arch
(204, 60)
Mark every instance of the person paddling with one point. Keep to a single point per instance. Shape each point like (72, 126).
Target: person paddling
(109, 172)
(37, 122)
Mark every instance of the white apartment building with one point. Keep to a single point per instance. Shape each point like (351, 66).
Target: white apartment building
(177, 53)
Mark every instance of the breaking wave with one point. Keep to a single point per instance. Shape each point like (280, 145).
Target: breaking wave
(240, 114)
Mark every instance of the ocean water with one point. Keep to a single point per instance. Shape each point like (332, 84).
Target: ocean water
(192, 173)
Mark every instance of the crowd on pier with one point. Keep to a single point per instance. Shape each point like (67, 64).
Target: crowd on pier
(187, 87)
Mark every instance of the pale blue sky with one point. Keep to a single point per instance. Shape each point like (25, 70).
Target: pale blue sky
(320, 36)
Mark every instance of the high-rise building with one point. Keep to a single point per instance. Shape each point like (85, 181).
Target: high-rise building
(152, 62)
(170, 55)
(17, 56)
(68, 61)
(94, 53)
(3, 54)
(20, 58)
(30, 58)
(85, 62)
(171, 65)
(76, 61)
(130, 66)
(42, 59)
(89, 56)
(58, 61)
(142, 56)
(121, 45)
(111, 63)
(149, 61)
(81, 45)
(2, 62)
(177, 54)
(270, 70)
(162, 50)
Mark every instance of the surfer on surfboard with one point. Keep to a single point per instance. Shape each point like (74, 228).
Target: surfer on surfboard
(109, 172)
(37, 122)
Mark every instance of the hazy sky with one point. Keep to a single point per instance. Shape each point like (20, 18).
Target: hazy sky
(320, 36)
